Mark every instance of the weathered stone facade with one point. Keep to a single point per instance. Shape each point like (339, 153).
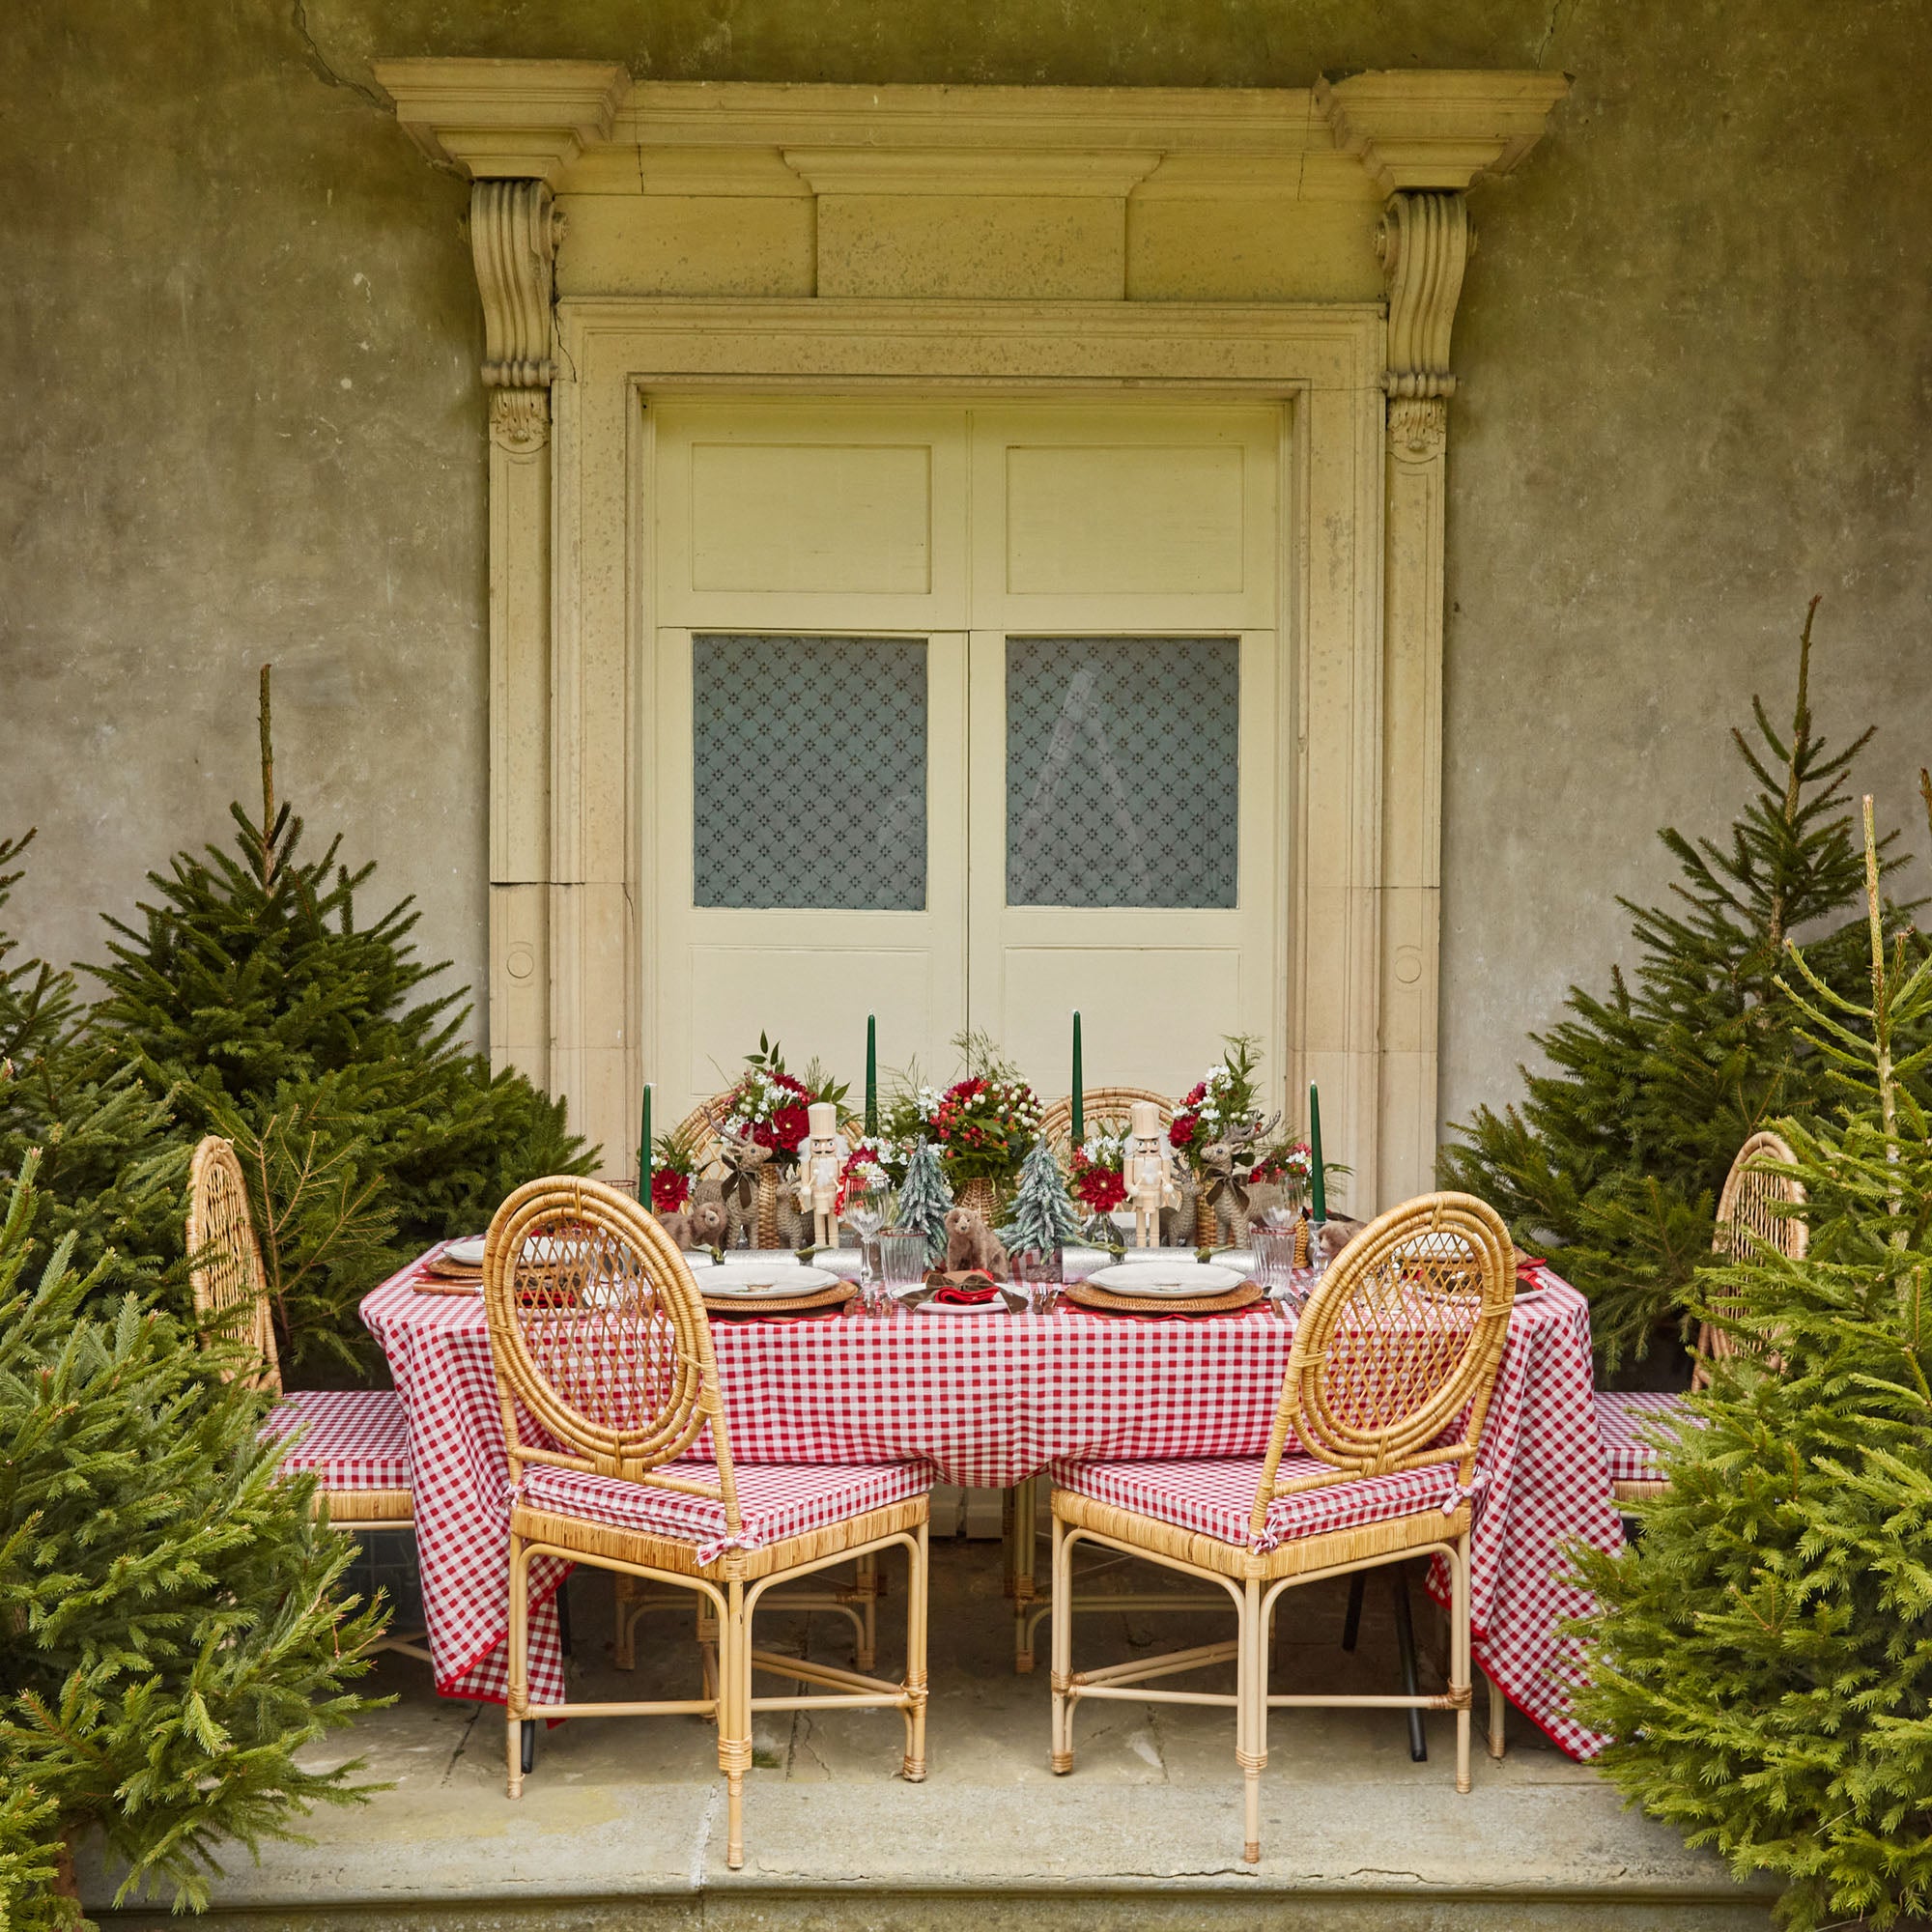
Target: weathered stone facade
(1692, 359)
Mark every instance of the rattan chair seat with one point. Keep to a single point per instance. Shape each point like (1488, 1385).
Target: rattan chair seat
(642, 1551)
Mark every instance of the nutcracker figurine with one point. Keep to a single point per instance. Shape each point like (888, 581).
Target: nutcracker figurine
(818, 1173)
(1147, 1170)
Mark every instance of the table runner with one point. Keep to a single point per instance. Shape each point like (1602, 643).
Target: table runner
(988, 1399)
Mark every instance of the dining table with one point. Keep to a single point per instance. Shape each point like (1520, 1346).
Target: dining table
(990, 1395)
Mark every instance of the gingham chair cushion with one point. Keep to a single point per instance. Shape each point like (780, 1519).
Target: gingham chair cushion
(775, 1500)
(352, 1438)
(1218, 1497)
(1624, 1418)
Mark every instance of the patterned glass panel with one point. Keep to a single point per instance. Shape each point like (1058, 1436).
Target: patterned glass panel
(1122, 771)
(809, 763)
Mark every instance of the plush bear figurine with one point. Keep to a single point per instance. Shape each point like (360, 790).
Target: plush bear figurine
(702, 1226)
(971, 1245)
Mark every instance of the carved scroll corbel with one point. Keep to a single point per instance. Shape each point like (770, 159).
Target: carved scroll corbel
(513, 234)
(1424, 243)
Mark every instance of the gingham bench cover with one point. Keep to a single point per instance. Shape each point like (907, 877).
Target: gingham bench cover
(354, 1439)
(1624, 1416)
(776, 1501)
(1218, 1497)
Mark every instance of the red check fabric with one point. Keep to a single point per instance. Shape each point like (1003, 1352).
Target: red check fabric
(1217, 1499)
(1625, 1420)
(352, 1438)
(988, 1399)
(774, 1502)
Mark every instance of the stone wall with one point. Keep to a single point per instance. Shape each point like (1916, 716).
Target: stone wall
(1695, 349)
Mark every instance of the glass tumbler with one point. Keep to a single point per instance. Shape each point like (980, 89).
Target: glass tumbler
(1275, 1261)
(901, 1259)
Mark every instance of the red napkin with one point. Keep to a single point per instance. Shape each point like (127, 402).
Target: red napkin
(963, 1290)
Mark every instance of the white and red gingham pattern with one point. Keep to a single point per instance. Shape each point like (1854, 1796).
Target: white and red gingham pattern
(1217, 1499)
(774, 1502)
(354, 1439)
(989, 1399)
(1625, 1420)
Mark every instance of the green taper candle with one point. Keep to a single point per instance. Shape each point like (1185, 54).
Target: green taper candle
(1317, 1189)
(871, 1077)
(1079, 1096)
(645, 1152)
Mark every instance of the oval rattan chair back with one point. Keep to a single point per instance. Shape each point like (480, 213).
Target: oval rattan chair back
(1398, 1344)
(599, 1336)
(225, 1258)
(1111, 1106)
(1757, 1207)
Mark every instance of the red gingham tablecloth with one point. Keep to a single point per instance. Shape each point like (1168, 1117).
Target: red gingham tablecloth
(988, 1399)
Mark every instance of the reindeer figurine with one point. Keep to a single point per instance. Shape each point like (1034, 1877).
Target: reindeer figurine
(1230, 1163)
(733, 1161)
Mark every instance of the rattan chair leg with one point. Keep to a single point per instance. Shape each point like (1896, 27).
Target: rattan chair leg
(914, 1768)
(1351, 1618)
(734, 1730)
(866, 1588)
(1460, 1686)
(517, 1692)
(1499, 1710)
(1251, 1719)
(1023, 1539)
(1061, 1754)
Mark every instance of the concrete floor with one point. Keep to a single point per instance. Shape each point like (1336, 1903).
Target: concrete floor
(622, 1822)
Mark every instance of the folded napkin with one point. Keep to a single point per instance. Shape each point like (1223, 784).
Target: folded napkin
(968, 1287)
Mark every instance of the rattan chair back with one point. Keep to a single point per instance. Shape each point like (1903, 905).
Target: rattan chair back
(225, 1260)
(1396, 1352)
(1100, 1106)
(1758, 1206)
(598, 1335)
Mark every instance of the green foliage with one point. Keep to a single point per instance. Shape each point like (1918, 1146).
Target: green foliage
(1764, 1652)
(111, 1172)
(925, 1199)
(1043, 1219)
(254, 994)
(1613, 1160)
(170, 1630)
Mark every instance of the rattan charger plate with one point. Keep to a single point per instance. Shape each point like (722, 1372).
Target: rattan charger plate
(814, 1301)
(1243, 1295)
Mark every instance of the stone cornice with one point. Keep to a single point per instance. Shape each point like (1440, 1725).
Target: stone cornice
(542, 120)
(502, 119)
(1422, 129)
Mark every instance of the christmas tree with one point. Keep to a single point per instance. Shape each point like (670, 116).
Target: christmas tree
(1044, 1218)
(925, 1199)
(111, 1169)
(1613, 1160)
(1763, 1653)
(171, 1634)
(255, 992)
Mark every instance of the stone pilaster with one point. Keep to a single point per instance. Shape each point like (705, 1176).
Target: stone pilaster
(1424, 243)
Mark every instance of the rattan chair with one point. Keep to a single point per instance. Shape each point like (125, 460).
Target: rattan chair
(1384, 1401)
(603, 1356)
(355, 1442)
(1758, 1205)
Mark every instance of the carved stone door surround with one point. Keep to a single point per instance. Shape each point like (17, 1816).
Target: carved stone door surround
(636, 239)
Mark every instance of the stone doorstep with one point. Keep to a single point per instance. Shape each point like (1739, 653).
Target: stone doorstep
(850, 1855)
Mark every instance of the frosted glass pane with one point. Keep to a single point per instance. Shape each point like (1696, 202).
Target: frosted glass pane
(1122, 771)
(808, 772)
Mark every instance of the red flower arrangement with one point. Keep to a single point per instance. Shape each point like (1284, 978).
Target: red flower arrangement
(1100, 1189)
(769, 1104)
(669, 1189)
(984, 1127)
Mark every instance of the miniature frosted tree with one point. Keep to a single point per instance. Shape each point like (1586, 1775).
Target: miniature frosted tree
(925, 1199)
(1044, 1218)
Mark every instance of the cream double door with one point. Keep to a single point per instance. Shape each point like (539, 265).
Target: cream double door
(963, 717)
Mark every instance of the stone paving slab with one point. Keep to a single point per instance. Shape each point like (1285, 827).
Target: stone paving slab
(621, 1825)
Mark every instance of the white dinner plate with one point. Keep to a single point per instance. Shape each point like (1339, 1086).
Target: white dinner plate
(752, 1279)
(466, 1253)
(995, 1306)
(1157, 1279)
